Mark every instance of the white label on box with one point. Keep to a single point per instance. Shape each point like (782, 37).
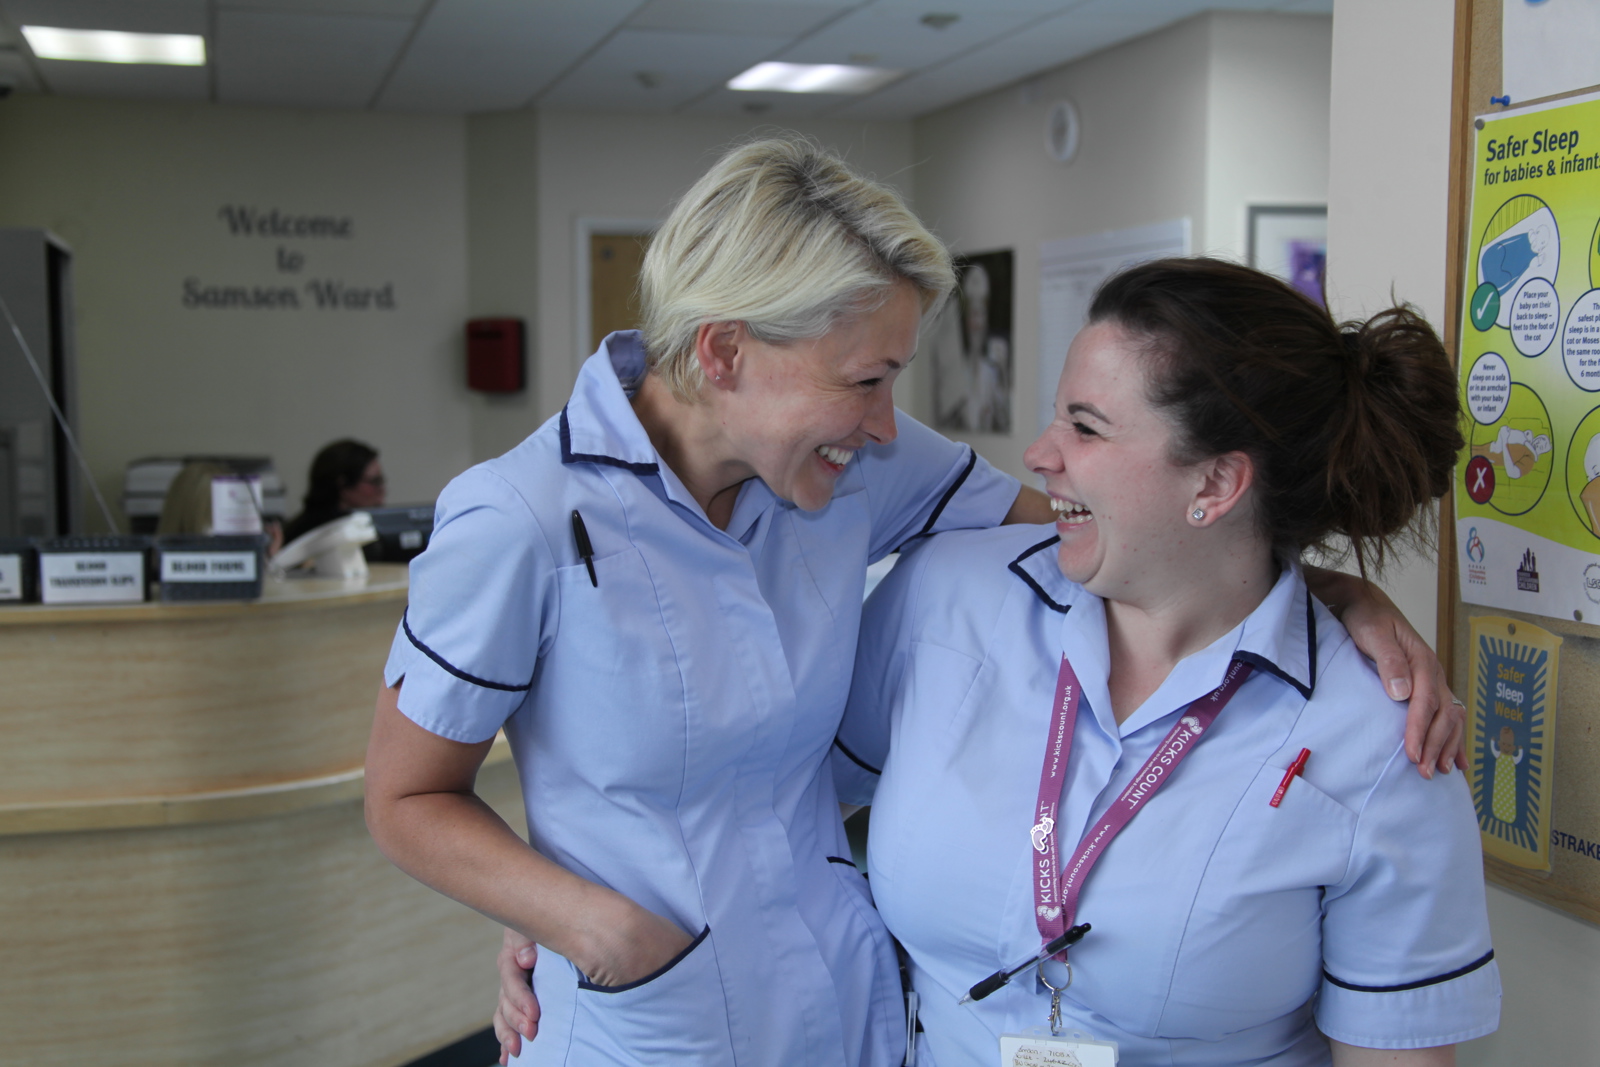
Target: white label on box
(10, 577)
(208, 566)
(236, 504)
(90, 577)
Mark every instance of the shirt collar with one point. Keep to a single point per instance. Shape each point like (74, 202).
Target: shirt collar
(598, 425)
(1278, 638)
(1037, 567)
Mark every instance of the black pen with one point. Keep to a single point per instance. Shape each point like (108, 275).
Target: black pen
(585, 549)
(1000, 978)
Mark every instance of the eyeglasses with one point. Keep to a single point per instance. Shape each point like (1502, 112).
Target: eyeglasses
(376, 481)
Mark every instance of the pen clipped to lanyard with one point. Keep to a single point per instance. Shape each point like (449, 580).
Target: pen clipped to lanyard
(1000, 978)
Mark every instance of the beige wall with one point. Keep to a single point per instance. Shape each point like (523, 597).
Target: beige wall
(1387, 194)
(1196, 120)
(503, 261)
(1266, 120)
(136, 189)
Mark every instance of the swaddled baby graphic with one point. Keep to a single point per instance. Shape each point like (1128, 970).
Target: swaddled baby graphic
(1589, 495)
(1504, 262)
(1503, 796)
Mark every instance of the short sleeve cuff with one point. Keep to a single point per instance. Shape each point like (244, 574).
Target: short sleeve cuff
(1439, 1013)
(980, 499)
(854, 780)
(437, 698)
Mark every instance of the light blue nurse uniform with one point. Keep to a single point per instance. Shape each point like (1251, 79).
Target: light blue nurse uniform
(1226, 931)
(671, 726)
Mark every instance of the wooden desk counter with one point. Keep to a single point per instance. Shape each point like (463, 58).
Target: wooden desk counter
(185, 873)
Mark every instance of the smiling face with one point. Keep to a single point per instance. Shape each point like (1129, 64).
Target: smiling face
(1106, 460)
(801, 410)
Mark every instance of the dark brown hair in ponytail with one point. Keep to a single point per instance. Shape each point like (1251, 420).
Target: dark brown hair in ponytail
(1352, 428)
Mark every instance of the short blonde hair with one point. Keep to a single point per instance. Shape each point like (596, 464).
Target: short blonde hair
(784, 237)
(186, 509)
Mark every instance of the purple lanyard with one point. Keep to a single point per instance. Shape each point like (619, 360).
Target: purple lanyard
(1056, 889)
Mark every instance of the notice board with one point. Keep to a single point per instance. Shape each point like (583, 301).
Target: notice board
(1519, 552)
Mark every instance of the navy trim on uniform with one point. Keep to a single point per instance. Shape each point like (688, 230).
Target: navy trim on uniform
(1263, 663)
(949, 494)
(944, 501)
(1435, 980)
(569, 456)
(584, 983)
(463, 675)
(857, 760)
(1015, 567)
(841, 859)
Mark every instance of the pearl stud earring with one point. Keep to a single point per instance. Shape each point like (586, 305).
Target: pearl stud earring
(1198, 514)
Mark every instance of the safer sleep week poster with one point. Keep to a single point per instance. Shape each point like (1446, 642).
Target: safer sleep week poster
(1528, 482)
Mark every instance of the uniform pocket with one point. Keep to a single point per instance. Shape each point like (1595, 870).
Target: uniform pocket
(677, 1013)
(584, 983)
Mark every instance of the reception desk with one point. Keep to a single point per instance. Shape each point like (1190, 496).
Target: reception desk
(185, 875)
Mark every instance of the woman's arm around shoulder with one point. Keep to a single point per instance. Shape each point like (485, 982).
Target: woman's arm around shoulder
(923, 483)
(1435, 719)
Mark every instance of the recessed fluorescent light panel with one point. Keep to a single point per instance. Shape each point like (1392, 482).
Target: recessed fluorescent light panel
(114, 46)
(812, 78)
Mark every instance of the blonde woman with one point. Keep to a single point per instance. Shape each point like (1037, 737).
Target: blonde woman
(657, 595)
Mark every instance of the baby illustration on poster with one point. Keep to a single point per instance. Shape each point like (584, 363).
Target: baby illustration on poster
(1513, 737)
(1528, 484)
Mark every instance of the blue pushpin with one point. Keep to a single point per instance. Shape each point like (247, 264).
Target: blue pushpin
(1503, 101)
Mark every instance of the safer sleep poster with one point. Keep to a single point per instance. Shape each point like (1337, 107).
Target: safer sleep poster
(1528, 482)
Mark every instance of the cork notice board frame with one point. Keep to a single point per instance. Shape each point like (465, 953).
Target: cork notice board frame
(1573, 881)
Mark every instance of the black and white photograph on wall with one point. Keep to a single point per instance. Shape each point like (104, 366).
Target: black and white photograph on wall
(969, 347)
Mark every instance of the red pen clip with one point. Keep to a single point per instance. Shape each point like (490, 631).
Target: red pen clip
(1295, 768)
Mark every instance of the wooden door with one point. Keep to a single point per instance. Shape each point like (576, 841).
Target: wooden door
(614, 262)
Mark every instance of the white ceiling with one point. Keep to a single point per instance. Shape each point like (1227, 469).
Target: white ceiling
(463, 56)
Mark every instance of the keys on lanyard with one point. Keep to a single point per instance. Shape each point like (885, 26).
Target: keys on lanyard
(1055, 997)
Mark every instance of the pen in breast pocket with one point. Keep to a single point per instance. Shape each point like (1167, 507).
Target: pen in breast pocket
(1295, 768)
(585, 549)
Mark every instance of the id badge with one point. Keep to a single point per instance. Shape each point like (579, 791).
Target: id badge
(1070, 1048)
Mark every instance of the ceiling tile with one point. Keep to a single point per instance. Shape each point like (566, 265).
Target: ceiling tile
(266, 57)
(685, 64)
(496, 55)
(132, 81)
(1041, 47)
(759, 107)
(1032, 8)
(896, 37)
(734, 17)
(134, 16)
(390, 8)
(15, 72)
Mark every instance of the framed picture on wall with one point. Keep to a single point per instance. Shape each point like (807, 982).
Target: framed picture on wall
(1291, 241)
(969, 347)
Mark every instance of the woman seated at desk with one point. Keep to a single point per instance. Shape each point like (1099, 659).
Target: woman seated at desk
(345, 476)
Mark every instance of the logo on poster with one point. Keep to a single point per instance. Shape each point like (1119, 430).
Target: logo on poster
(1591, 582)
(1477, 573)
(1528, 572)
